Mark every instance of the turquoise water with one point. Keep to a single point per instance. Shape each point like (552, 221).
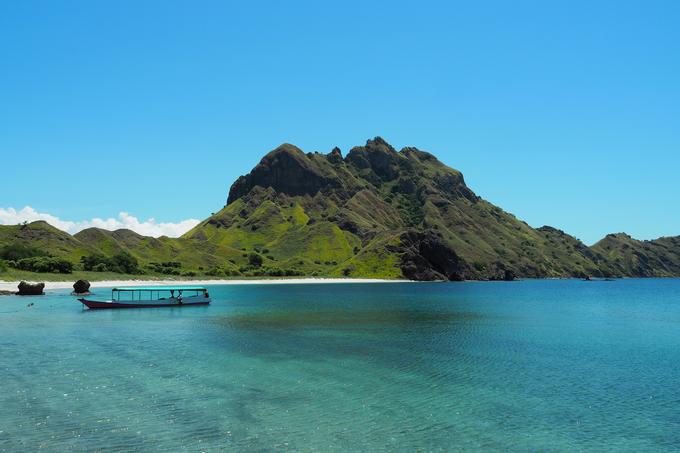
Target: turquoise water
(531, 365)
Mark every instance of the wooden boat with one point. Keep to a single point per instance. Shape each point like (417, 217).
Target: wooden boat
(151, 297)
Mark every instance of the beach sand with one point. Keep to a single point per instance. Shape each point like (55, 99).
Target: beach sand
(12, 286)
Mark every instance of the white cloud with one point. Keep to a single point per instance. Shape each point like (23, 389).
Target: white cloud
(10, 216)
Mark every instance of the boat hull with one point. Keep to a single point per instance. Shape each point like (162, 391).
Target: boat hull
(95, 304)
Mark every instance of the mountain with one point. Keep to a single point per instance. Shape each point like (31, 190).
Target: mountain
(386, 213)
(376, 212)
(623, 255)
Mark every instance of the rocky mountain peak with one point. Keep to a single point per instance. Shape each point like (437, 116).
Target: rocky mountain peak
(287, 169)
(379, 157)
(379, 143)
(290, 171)
(335, 156)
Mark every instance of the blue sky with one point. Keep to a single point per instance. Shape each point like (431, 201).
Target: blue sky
(563, 113)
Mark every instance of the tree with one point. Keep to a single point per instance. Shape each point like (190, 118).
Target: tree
(16, 252)
(96, 260)
(45, 264)
(125, 263)
(255, 260)
(121, 262)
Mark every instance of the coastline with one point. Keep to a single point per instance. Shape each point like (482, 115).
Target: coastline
(12, 285)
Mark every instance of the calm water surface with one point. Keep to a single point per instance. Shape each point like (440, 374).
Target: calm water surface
(531, 365)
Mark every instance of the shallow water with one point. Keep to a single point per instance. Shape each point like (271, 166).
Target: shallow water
(531, 365)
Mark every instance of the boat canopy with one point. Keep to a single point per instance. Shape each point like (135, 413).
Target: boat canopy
(160, 288)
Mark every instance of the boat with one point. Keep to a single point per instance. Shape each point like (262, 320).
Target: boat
(151, 297)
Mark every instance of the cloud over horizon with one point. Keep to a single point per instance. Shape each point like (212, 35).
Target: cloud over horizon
(149, 227)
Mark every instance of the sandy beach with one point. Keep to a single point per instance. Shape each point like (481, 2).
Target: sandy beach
(12, 285)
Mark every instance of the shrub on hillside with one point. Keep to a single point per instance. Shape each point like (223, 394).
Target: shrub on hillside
(89, 262)
(100, 267)
(122, 262)
(255, 260)
(16, 252)
(167, 267)
(214, 271)
(291, 272)
(274, 272)
(125, 263)
(45, 264)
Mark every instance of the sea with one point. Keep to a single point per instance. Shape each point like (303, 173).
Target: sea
(534, 365)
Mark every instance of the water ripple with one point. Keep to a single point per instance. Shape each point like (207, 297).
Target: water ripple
(532, 366)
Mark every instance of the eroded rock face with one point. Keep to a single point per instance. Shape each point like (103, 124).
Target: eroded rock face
(31, 289)
(499, 271)
(380, 157)
(335, 156)
(81, 287)
(287, 170)
(425, 256)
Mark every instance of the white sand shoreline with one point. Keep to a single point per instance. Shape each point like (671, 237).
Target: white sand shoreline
(12, 285)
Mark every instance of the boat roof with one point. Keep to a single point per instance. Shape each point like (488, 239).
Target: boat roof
(159, 288)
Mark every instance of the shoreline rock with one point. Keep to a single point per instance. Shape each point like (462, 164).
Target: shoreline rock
(31, 289)
(81, 287)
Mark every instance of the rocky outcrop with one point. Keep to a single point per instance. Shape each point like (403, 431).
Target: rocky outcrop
(379, 157)
(500, 272)
(81, 287)
(425, 256)
(290, 171)
(31, 289)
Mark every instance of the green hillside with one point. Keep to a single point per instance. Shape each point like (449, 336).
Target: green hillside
(377, 212)
(44, 236)
(623, 255)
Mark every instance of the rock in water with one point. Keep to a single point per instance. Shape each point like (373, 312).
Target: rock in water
(31, 289)
(81, 287)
